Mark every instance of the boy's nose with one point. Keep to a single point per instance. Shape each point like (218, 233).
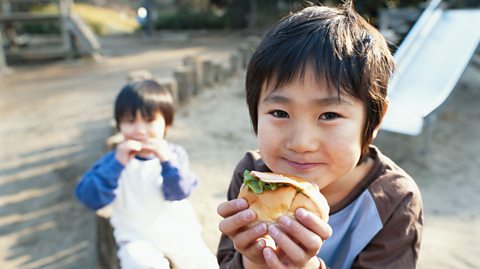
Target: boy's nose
(303, 139)
(140, 128)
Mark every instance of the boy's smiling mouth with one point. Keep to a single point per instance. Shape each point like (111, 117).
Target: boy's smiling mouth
(302, 165)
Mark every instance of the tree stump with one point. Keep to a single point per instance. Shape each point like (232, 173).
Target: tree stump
(235, 64)
(106, 245)
(219, 72)
(171, 85)
(208, 73)
(195, 63)
(184, 77)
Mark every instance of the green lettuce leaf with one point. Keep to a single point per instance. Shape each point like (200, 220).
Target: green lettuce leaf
(258, 186)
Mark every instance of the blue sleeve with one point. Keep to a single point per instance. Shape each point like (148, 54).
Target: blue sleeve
(178, 180)
(95, 188)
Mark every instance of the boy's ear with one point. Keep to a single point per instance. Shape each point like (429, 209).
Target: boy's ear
(385, 111)
(165, 131)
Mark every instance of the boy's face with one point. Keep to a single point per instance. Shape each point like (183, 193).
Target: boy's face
(142, 130)
(303, 130)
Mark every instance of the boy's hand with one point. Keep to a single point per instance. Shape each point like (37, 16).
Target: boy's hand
(158, 147)
(298, 240)
(126, 150)
(237, 216)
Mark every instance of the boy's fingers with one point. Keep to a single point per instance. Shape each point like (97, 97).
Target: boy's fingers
(231, 207)
(230, 225)
(271, 259)
(293, 251)
(244, 239)
(310, 241)
(254, 251)
(314, 223)
(133, 145)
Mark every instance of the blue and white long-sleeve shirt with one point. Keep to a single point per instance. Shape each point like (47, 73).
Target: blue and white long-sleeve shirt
(147, 196)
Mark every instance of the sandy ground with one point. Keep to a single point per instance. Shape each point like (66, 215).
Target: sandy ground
(55, 120)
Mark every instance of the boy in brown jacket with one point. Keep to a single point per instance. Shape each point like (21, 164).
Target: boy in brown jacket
(317, 92)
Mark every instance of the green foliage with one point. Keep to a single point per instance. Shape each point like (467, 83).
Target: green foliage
(40, 28)
(97, 28)
(188, 19)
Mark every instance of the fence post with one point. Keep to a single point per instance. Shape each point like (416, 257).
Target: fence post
(184, 78)
(171, 85)
(3, 62)
(235, 64)
(195, 63)
(208, 73)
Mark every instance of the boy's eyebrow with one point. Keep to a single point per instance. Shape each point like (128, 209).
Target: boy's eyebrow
(324, 101)
(274, 98)
(332, 100)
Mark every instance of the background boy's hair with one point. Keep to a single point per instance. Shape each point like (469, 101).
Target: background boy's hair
(146, 96)
(342, 49)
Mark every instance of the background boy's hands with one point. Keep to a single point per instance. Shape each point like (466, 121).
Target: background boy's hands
(126, 150)
(298, 241)
(157, 147)
(237, 216)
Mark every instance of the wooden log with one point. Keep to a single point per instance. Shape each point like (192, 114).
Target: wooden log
(195, 63)
(184, 77)
(208, 73)
(171, 85)
(219, 73)
(106, 245)
(235, 64)
(3, 62)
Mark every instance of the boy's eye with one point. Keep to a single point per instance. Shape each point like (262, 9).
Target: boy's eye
(279, 114)
(329, 116)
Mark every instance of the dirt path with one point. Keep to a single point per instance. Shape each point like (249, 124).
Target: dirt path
(55, 119)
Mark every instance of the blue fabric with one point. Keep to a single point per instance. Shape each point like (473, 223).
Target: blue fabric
(178, 181)
(95, 189)
(175, 187)
(353, 227)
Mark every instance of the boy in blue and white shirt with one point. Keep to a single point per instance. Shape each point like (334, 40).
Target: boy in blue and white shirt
(147, 180)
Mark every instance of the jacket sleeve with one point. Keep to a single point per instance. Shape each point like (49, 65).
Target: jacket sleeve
(397, 244)
(96, 187)
(178, 180)
(227, 256)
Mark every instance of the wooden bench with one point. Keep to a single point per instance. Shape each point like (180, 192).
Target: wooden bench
(430, 61)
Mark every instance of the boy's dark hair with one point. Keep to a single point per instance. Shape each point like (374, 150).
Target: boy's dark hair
(146, 96)
(342, 49)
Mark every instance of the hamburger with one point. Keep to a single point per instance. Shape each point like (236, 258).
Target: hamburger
(272, 195)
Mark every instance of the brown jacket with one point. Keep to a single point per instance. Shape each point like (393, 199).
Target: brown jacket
(378, 225)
